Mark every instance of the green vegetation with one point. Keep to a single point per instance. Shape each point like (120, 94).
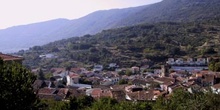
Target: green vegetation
(88, 103)
(179, 100)
(129, 46)
(182, 100)
(214, 65)
(16, 87)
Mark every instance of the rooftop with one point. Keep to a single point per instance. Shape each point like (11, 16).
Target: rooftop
(7, 57)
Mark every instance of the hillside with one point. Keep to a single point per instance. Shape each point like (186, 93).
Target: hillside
(25, 36)
(167, 10)
(177, 11)
(131, 46)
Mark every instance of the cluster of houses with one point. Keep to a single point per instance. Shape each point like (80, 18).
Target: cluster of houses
(145, 86)
(139, 86)
(188, 61)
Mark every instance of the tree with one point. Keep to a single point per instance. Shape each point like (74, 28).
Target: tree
(128, 72)
(16, 83)
(123, 81)
(214, 66)
(217, 66)
(80, 102)
(41, 75)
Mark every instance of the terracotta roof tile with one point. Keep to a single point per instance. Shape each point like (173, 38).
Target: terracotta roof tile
(165, 80)
(216, 86)
(96, 92)
(118, 95)
(46, 91)
(74, 75)
(141, 95)
(74, 92)
(6, 57)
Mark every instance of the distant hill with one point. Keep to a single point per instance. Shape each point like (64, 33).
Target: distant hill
(25, 36)
(176, 11)
(131, 46)
(167, 10)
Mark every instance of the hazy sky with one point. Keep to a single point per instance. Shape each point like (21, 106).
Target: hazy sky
(18, 12)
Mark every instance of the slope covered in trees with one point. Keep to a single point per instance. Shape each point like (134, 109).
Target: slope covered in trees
(129, 46)
(166, 10)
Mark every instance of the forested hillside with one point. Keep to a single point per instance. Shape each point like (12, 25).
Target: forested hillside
(134, 45)
(176, 10)
(164, 11)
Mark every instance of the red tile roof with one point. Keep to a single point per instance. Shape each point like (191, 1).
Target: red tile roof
(216, 86)
(6, 57)
(141, 95)
(57, 70)
(63, 91)
(46, 91)
(165, 80)
(74, 75)
(96, 92)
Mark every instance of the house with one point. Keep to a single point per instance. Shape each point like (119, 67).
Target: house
(59, 72)
(72, 78)
(62, 93)
(216, 88)
(47, 93)
(94, 80)
(75, 92)
(165, 82)
(48, 56)
(171, 61)
(207, 80)
(157, 71)
(140, 82)
(119, 95)
(118, 87)
(88, 73)
(194, 88)
(78, 70)
(109, 81)
(190, 61)
(113, 66)
(133, 88)
(11, 58)
(140, 96)
(98, 93)
(106, 82)
(201, 61)
(38, 84)
(81, 86)
(98, 68)
(135, 69)
(56, 78)
(143, 68)
(179, 61)
(59, 93)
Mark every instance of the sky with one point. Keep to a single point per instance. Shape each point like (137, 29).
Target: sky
(20, 12)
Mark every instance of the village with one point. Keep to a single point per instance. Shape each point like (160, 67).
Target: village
(131, 84)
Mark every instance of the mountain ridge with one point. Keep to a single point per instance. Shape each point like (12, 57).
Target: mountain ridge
(166, 10)
(32, 34)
